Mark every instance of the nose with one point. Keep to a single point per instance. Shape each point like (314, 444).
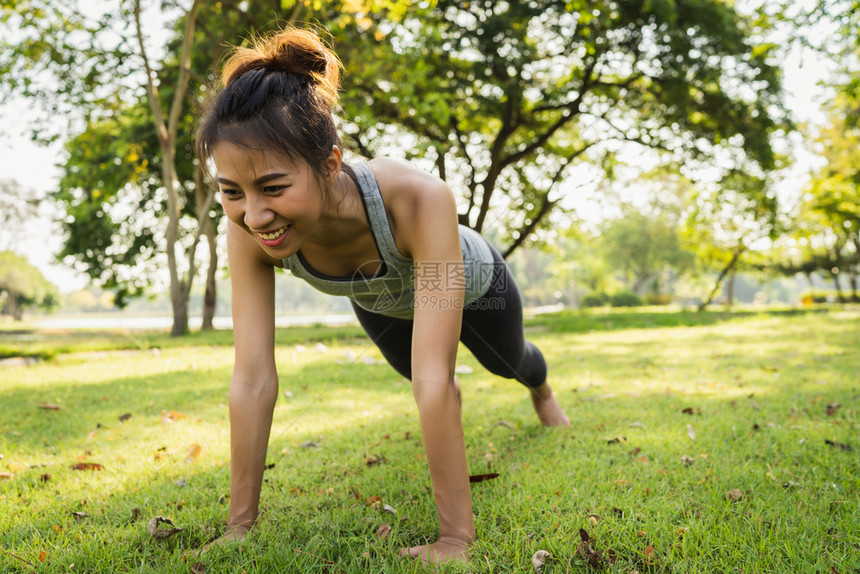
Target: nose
(258, 215)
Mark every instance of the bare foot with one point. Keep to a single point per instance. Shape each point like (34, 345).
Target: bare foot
(547, 408)
(443, 550)
(232, 535)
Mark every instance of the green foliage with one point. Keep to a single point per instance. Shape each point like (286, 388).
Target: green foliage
(22, 286)
(504, 98)
(594, 300)
(625, 299)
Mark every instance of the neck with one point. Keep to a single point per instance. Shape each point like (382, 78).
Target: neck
(344, 216)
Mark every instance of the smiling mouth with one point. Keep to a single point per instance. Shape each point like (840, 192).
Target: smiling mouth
(274, 238)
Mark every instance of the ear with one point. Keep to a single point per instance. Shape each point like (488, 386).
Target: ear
(333, 164)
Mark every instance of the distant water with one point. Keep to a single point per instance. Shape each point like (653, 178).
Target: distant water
(129, 322)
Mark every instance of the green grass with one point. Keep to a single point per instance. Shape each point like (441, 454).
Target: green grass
(758, 385)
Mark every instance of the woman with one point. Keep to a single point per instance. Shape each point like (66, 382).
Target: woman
(383, 233)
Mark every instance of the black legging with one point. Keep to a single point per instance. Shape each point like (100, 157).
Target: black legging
(492, 330)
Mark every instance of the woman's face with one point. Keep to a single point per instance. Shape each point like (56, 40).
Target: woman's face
(276, 200)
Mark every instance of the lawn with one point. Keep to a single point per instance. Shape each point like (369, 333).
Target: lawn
(714, 442)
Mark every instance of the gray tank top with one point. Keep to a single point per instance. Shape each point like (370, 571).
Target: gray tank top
(390, 291)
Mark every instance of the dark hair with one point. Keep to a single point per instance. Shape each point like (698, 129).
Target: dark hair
(278, 94)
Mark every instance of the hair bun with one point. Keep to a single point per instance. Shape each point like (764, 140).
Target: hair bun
(292, 51)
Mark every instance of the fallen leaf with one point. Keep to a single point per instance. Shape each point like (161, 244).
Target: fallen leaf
(49, 406)
(80, 515)
(634, 452)
(594, 518)
(6, 475)
(124, 417)
(373, 500)
(690, 432)
(648, 553)
(790, 484)
(374, 460)
(505, 424)
(135, 513)
(734, 495)
(483, 477)
(592, 556)
(832, 408)
(680, 532)
(87, 466)
(45, 477)
(839, 445)
(539, 560)
(171, 416)
(687, 460)
(637, 425)
(687, 411)
(310, 444)
(618, 439)
(383, 532)
(193, 452)
(198, 568)
(161, 533)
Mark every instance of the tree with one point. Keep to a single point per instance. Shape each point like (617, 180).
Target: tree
(504, 98)
(642, 245)
(726, 220)
(18, 209)
(22, 287)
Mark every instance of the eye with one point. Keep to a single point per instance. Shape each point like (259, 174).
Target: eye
(230, 193)
(273, 189)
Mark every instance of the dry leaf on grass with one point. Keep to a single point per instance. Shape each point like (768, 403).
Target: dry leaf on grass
(6, 475)
(193, 452)
(172, 416)
(124, 417)
(687, 460)
(374, 459)
(594, 557)
(539, 559)
(839, 445)
(198, 568)
(690, 432)
(734, 495)
(49, 407)
(383, 531)
(161, 533)
(87, 466)
(616, 440)
(482, 477)
(832, 408)
(80, 515)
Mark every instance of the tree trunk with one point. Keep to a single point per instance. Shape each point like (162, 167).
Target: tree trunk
(730, 288)
(726, 270)
(203, 203)
(835, 277)
(166, 128)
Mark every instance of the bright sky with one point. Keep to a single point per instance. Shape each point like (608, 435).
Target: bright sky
(34, 167)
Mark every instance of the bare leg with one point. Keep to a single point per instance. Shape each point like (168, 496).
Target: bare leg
(547, 408)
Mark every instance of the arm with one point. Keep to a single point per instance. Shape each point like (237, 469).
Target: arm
(254, 385)
(434, 242)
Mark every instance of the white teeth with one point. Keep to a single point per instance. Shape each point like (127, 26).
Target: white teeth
(275, 235)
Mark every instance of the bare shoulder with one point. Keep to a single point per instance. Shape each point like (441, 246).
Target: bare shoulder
(413, 200)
